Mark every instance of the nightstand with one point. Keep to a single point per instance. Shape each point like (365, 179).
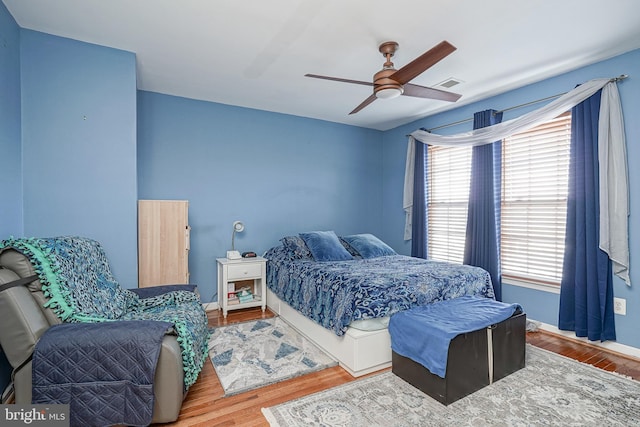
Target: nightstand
(242, 283)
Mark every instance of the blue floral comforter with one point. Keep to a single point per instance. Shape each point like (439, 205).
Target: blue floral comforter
(335, 293)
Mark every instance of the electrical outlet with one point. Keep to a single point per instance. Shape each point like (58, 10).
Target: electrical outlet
(620, 306)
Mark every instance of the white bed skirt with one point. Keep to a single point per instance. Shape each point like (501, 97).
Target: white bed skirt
(358, 352)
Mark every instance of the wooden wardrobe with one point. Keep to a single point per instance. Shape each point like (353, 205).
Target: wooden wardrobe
(163, 242)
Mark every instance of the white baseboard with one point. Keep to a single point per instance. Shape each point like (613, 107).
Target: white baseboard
(610, 345)
(210, 306)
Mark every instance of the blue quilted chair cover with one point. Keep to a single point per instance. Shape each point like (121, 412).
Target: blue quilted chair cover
(77, 279)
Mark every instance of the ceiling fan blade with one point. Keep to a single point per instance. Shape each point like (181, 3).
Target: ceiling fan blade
(337, 79)
(364, 103)
(429, 92)
(423, 62)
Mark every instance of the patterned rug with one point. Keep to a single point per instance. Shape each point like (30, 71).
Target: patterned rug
(551, 390)
(254, 354)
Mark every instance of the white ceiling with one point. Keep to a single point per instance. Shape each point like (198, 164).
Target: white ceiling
(255, 53)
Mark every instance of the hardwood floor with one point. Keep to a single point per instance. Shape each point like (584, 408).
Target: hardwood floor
(587, 353)
(206, 405)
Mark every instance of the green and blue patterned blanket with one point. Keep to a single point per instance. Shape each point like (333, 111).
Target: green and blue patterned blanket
(77, 279)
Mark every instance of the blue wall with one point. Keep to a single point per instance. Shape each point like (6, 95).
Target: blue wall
(279, 174)
(10, 159)
(539, 305)
(79, 145)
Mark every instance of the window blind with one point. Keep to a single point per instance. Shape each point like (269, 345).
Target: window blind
(448, 174)
(534, 201)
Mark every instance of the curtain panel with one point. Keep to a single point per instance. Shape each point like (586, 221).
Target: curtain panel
(586, 290)
(482, 242)
(419, 211)
(613, 178)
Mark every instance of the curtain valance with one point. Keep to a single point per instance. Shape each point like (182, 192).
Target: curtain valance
(614, 193)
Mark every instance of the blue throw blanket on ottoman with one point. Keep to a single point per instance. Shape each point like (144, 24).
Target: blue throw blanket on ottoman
(423, 334)
(77, 279)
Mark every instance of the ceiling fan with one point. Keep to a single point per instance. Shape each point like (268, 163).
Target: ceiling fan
(390, 83)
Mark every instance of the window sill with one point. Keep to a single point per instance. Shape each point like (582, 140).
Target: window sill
(530, 285)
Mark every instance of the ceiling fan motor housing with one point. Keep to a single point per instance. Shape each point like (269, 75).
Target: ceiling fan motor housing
(383, 86)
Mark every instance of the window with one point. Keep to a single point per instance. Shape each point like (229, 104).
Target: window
(448, 176)
(535, 183)
(534, 199)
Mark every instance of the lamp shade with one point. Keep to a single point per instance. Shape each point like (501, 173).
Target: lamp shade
(238, 226)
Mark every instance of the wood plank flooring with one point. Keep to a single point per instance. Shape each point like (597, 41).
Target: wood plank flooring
(205, 405)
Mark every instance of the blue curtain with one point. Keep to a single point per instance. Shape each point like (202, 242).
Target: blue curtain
(482, 244)
(586, 289)
(419, 210)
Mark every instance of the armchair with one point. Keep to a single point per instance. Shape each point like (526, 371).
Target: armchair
(69, 304)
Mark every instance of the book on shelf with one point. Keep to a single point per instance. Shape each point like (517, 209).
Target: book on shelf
(233, 301)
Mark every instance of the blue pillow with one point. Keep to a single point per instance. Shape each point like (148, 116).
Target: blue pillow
(325, 246)
(368, 245)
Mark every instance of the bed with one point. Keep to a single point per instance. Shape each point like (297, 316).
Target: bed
(340, 292)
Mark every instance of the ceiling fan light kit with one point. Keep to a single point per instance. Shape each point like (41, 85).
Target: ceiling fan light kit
(390, 83)
(389, 92)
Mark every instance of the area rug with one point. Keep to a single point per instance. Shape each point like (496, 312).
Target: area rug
(254, 354)
(551, 390)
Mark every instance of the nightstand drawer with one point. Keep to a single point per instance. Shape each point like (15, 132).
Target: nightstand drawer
(240, 271)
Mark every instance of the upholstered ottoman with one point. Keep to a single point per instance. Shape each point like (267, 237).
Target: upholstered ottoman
(453, 348)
